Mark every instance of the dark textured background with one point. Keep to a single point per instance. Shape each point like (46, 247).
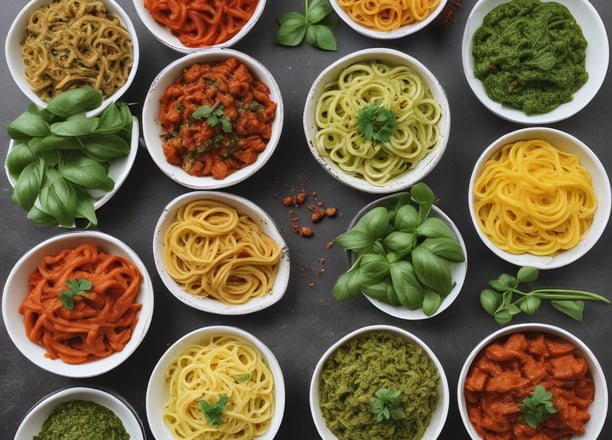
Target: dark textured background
(307, 320)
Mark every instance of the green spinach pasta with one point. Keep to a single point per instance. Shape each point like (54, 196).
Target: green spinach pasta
(399, 89)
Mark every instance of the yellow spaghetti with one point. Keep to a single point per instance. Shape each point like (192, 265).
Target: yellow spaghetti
(213, 250)
(76, 43)
(221, 367)
(388, 15)
(397, 88)
(532, 198)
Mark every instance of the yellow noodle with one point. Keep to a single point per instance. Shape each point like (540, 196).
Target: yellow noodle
(397, 88)
(220, 366)
(212, 250)
(388, 15)
(532, 198)
(76, 43)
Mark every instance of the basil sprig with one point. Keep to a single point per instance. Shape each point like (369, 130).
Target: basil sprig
(401, 255)
(316, 24)
(59, 155)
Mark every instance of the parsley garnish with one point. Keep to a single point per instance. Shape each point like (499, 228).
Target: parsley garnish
(537, 407)
(315, 24)
(75, 288)
(376, 123)
(242, 378)
(386, 405)
(213, 116)
(214, 412)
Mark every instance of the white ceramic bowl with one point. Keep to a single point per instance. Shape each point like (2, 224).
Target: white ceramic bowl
(158, 393)
(16, 288)
(15, 62)
(597, 58)
(459, 270)
(601, 185)
(391, 57)
(118, 171)
(164, 35)
(267, 225)
(34, 419)
(440, 413)
(400, 32)
(152, 130)
(599, 407)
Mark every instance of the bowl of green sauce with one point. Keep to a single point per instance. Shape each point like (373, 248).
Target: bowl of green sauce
(81, 413)
(379, 381)
(535, 61)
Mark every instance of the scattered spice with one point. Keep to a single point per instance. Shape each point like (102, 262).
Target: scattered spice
(318, 211)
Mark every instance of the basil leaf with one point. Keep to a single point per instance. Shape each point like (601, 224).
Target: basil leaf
(530, 304)
(111, 120)
(56, 142)
(490, 300)
(504, 282)
(73, 101)
(431, 302)
(382, 291)
(87, 173)
(28, 124)
(373, 267)
(445, 247)
(321, 36)
(105, 147)
(85, 208)
(18, 157)
(422, 194)
(433, 271)
(292, 32)
(354, 240)
(28, 185)
(317, 11)
(401, 243)
(78, 125)
(406, 218)
(434, 227)
(527, 274)
(572, 308)
(348, 284)
(503, 317)
(292, 19)
(407, 287)
(59, 200)
(375, 222)
(40, 217)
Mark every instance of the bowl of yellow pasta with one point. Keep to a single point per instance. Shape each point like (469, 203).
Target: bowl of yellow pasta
(56, 45)
(547, 72)
(379, 381)
(221, 380)
(539, 197)
(387, 19)
(220, 253)
(377, 120)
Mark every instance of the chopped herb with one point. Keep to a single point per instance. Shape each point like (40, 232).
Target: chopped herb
(214, 412)
(376, 123)
(213, 116)
(386, 405)
(75, 288)
(537, 407)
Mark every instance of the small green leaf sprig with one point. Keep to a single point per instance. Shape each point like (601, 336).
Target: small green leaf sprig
(386, 405)
(537, 407)
(504, 299)
(213, 117)
(76, 287)
(401, 255)
(59, 155)
(376, 123)
(316, 24)
(214, 411)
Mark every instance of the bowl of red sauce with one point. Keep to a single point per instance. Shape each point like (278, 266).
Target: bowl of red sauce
(532, 379)
(187, 26)
(212, 119)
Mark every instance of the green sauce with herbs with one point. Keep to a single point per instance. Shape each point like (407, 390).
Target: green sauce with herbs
(353, 374)
(82, 420)
(530, 55)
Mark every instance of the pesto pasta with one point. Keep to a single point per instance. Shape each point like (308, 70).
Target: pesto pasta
(399, 89)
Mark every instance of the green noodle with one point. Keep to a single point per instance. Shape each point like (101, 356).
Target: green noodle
(398, 88)
(362, 366)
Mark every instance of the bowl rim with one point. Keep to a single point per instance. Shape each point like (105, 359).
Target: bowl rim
(119, 170)
(425, 165)
(152, 130)
(594, 365)
(592, 26)
(401, 32)
(155, 387)
(459, 269)
(135, 427)
(265, 222)
(29, 261)
(564, 142)
(165, 36)
(14, 60)
(442, 407)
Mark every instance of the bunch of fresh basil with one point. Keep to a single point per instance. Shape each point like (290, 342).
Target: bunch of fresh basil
(401, 255)
(59, 155)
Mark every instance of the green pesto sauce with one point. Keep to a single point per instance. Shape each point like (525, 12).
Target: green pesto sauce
(352, 375)
(530, 55)
(82, 420)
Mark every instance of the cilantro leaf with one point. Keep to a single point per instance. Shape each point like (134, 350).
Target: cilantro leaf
(75, 288)
(213, 116)
(386, 405)
(214, 412)
(376, 123)
(537, 407)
